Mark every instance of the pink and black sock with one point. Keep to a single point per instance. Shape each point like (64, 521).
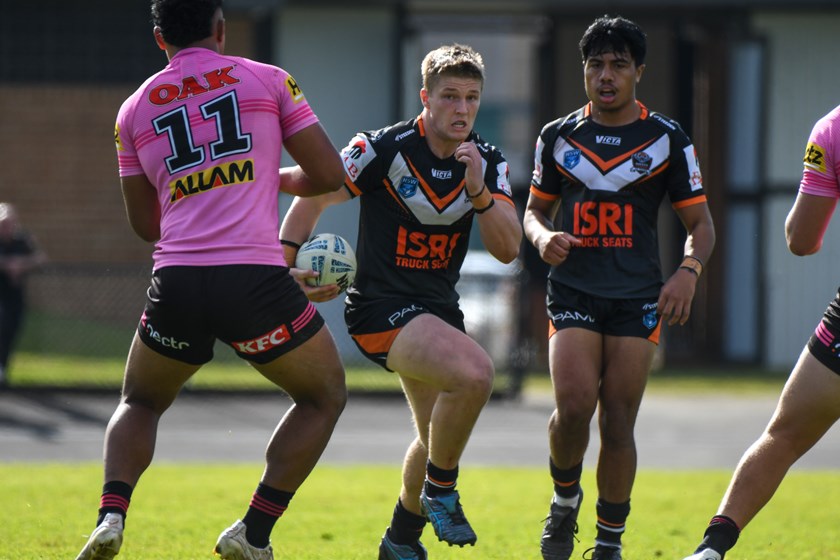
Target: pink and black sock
(440, 481)
(116, 496)
(267, 505)
(721, 535)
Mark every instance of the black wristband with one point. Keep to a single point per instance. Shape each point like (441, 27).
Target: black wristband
(476, 195)
(691, 270)
(486, 208)
(290, 243)
(696, 259)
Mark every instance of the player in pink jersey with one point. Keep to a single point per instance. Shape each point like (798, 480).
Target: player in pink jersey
(199, 147)
(810, 402)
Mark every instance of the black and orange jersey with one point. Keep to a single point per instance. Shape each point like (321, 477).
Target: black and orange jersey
(610, 182)
(415, 219)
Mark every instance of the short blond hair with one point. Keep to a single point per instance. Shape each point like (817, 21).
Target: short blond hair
(453, 60)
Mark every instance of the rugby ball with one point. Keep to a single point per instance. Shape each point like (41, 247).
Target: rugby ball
(331, 256)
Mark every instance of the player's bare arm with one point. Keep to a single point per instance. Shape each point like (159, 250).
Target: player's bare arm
(498, 224)
(142, 207)
(807, 221)
(677, 294)
(553, 246)
(318, 170)
(297, 227)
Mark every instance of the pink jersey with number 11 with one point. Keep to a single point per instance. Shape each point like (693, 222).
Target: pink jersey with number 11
(822, 158)
(207, 131)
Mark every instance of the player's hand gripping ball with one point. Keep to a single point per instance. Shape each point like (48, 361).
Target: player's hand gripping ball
(331, 256)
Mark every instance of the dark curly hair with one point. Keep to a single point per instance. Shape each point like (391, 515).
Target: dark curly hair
(614, 35)
(183, 22)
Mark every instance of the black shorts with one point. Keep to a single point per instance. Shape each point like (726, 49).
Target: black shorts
(259, 310)
(375, 324)
(824, 344)
(568, 308)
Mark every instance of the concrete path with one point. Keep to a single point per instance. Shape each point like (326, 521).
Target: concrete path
(673, 432)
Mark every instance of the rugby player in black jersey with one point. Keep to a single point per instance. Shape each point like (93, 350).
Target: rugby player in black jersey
(604, 169)
(421, 184)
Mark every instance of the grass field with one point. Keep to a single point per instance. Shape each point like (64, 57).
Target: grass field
(341, 512)
(31, 369)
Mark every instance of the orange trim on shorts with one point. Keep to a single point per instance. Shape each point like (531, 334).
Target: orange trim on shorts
(654, 336)
(377, 343)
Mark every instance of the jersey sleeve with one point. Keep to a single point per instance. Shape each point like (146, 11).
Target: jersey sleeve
(545, 180)
(685, 183)
(361, 165)
(497, 174)
(127, 159)
(819, 176)
(295, 112)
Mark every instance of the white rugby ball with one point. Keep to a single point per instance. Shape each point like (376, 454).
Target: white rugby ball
(331, 256)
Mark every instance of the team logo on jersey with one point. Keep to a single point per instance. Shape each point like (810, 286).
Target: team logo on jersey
(231, 173)
(610, 140)
(117, 140)
(425, 251)
(503, 183)
(190, 86)
(603, 224)
(294, 90)
(357, 149)
(442, 173)
(641, 163)
(571, 158)
(408, 187)
(695, 178)
(815, 157)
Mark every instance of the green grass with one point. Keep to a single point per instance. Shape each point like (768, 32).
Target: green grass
(340, 513)
(35, 369)
(32, 370)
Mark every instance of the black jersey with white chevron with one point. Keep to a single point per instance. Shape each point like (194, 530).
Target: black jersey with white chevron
(610, 182)
(415, 219)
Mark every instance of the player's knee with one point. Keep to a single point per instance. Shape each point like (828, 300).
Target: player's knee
(574, 407)
(478, 376)
(573, 414)
(335, 399)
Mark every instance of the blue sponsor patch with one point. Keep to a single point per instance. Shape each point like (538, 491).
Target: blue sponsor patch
(408, 187)
(649, 320)
(571, 158)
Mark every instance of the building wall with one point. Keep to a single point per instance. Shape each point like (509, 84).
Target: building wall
(60, 170)
(801, 87)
